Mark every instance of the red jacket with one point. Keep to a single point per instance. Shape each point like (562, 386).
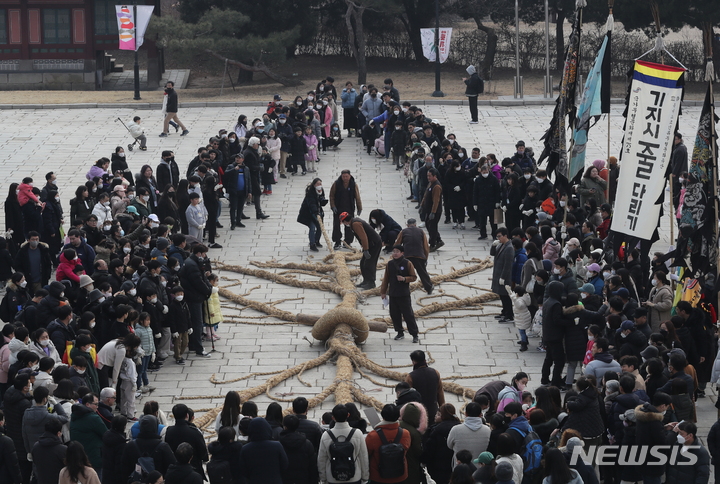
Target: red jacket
(373, 443)
(65, 269)
(26, 195)
(604, 228)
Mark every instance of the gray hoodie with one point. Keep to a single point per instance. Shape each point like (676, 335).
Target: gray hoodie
(470, 70)
(34, 420)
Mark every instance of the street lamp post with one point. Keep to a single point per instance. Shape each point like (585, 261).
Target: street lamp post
(438, 92)
(548, 81)
(137, 64)
(518, 79)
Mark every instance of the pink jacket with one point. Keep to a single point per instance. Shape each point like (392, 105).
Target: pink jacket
(497, 170)
(328, 120)
(26, 195)
(65, 269)
(551, 250)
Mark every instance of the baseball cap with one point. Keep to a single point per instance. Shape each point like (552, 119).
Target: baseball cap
(484, 458)
(343, 216)
(153, 217)
(119, 188)
(627, 325)
(282, 116)
(593, 267)
(277, 97)
(622, 292)
(574, 241)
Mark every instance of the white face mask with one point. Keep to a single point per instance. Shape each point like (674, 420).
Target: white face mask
(127, 250)
(101, 300)
(153, 300)
(299, 103)
(458, 168)
(681, 439)
(556, 271)
(23, 284)
(283, 121)
(121, 155)
(562, 203)
(146, 197)
(461, 155)
(147, 246)
(92, 325)
(373, 220)
(654, 282)
(80, 372)
(485, 175)
(591, 338)
(623, 335)
(164, 283)
(538, 179)
(44, 342)
(57, 199)
(154, 225)
(94, 189)
(35, 367)
(606, 275)
(132, 292)
(310, 98)
(404, 110)
(583, 295)
(396, 112)
(527, 176)
(681, 179)
(180, 298)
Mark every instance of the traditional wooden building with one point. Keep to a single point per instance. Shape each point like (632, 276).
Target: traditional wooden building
(62, 44)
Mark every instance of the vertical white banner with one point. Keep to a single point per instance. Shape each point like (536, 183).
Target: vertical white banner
(427, 37)
(144, 12)
(652, 114)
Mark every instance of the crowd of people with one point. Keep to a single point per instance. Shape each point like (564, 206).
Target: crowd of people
(89, 312)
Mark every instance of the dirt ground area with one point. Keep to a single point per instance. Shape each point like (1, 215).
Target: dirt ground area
(414, 80)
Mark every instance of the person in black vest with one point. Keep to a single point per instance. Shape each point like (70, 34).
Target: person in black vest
(427, 381)
(371, 245)
(416, 251)
(431, 206)
(396, 284)
(344, 197)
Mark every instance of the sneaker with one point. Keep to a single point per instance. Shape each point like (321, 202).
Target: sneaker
(304, 173)
(455, 225)
(506, 320)
(215, 245)
(399, 337)
(138, 394)
(416, 339)
(314, 248)
(439, 244)
(499, 316)
(482, 237)
(447, 220)
(243, 217)
(150, 388)
(215, 337)
(163, 135)
(177, 128)
(462, 226)
(219, 225)
(181, 361)
(410, 197)
(232, 226)
(185, 131)
(133, 419)
(282, 175)
(474, 122)
(269, 192)
(204, 354)
(337, 246)
(430, 291)
(143, 148)
(421, 225)
(541, 348)
(144, 390)
(261, 216)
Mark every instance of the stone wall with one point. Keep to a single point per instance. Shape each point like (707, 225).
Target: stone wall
(76, 75)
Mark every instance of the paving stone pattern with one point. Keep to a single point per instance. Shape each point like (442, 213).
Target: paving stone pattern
(34, 142)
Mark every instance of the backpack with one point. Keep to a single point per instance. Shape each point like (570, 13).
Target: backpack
(392, 456)
(532, 449)
(218, 472)
(144, 465)
(342, 457)
(481, 86)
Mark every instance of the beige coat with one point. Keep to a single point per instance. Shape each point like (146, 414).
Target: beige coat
(91, 477)
(662, 297)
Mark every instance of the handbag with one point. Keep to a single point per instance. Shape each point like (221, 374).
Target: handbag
(499, 216)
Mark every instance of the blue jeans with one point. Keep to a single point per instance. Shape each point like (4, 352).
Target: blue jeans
(142, 378)
(315, 233)
(523, 335)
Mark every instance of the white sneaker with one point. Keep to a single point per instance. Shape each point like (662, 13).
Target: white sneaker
(138, 394)
(455, 225)
(421, 225)
(462, 226)
(473, 122)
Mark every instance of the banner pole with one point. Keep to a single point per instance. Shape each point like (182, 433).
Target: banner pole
(715, 178)
(136, 67)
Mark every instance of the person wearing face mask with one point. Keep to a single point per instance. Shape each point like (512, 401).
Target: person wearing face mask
(193, 278)
(312, 208)
(68, 261)
(16, 296)
(389, 228)
(371, 107)
(486, 198)
(42, 345)
(685, 470)
(399, 140)
(167, 172)
(348, 97)
(118, 164)
(141, 202)
(522, 158)
(170, 110)
(512, 392)
(59, 329)
(37, 417)
(50, 184)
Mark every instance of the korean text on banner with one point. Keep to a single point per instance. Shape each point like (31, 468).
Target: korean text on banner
(427, 37)
(652, 112)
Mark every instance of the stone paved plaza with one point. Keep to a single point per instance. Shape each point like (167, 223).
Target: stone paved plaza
(33, 142)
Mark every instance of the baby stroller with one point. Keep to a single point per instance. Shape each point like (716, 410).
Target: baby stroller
(131, 145)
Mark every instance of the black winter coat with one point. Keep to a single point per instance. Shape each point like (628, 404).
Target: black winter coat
(9, 469)
(229, 453)
(112, 457)
(15, 403)
(183, 474)
(164, 172)
(698, 473)
(15, 297)
(436, 454)
(584, 414)
(302, 459)
(14, 220)
(576, 334)
(49, 450)
(486, 192)
(713, 442)
(554, 322)
(183, 432)
(312, 431)
(147, 442)
(650, 431)
(262, 459)
(311, 207)
(22, 261)
(192, 278)
(456, 200)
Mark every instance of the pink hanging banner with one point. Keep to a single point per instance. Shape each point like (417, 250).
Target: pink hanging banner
(126, 27)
